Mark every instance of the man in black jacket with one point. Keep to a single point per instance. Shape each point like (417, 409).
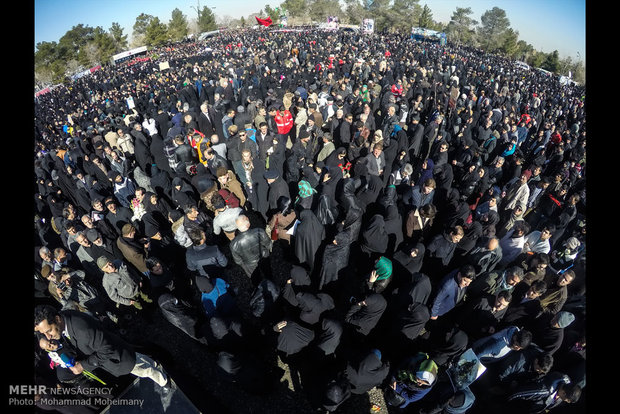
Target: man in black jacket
(95, 347)
(249, 246)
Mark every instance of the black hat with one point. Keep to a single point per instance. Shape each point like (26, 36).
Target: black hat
(271, 174)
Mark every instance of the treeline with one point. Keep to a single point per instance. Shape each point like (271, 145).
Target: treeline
(83, 47)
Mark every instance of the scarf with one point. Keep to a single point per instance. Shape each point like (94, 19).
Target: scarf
(305, 190)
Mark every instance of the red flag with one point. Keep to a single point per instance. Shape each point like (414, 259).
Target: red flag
(264, 22)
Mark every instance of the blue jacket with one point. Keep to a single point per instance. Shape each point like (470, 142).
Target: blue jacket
(447, 295)
(494, 347)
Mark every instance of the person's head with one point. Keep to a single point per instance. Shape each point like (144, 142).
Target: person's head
(569, 393)
(154, 265)
(232, 130)
(428, 211)
(536, 290)
(97, 205)
(493, 243)
(465, 275)
(514, 275)
(246, 156)
(542, 363)
(243, 223)
(428, 186)
(222, 175)
(48, 322)
(110, 204)
(520, 340)
(46, 254)
(566, 278)
(547, 231)
(243, 136)
(502, 300)
(456, 234)
(263, 128)
(140, 193)
(443, 147)
(197, 236)
(128, 231)
(230, 113)
(191, 212)
(82, 239)
(349, 118)
(377, 150)
(218, 202)
(60, 254)
(215, 139)
(71, 227)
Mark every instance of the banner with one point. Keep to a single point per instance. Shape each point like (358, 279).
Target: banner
(265, 22)
(368, 26)
(164, 65)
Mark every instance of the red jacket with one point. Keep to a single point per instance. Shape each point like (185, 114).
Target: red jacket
(284, 122)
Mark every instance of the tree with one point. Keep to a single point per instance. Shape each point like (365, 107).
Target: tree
(509, 44)
(552, 62)
(142, 22)
(242, 22)
(296, 8)
(105, 46)
(494, 25)
(354, 12)
(73, 40)
(206, 20)
(119, 39)
(156, 33)
(319, 10)
(426, 18)
(271, 12)
(177, 26)
(461, 26)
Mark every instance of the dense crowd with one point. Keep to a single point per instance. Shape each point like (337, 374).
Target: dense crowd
(404, 213)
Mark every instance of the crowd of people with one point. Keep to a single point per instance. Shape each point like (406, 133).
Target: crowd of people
(394, 205)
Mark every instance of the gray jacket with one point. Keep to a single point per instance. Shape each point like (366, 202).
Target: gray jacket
(121, 286)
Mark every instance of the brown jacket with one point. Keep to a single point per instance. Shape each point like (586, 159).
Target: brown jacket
(234, 186)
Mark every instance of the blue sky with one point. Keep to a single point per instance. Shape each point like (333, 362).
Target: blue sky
(547, 25)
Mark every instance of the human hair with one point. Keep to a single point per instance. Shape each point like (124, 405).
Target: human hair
(430, 182)
(539, 287)
(515, 271)
(58, 252)
(189, 208)
(428, 211)
(545, 362)
(572, 391)
(457, 231)
(45, 313)
(151, 262)
(178, 139)
(521, 338)
(232, 130)
(549, 227)
(506, 295)
(195, 235)
(468, 271)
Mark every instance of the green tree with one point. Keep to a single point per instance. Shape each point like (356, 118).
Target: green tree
(425, 19)
(524, 50)
(156, 33)
(242, 22)
(142, 22)
(73, 40)
(492, 30)
(509, 44)
(271, 12)
(354, 11)
(460, 29)
(177, 26)
(296, 8)
(552, 62)
(120, 39)
(102, 48)
(206, 20)
(536, 59)
(319, 10)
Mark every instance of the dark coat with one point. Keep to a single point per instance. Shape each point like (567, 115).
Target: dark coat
(96, 347)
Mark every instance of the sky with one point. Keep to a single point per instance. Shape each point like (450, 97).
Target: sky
(547, 25)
